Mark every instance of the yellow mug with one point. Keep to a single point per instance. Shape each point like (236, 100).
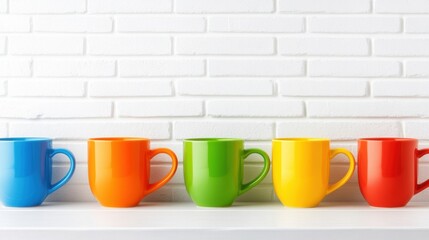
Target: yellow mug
(301, 170)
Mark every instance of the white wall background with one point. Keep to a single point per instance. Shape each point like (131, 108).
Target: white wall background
(254, 69)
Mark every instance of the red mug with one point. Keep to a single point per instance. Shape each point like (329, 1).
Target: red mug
(387, 170)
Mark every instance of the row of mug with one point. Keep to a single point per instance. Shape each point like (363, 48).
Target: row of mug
(119, 170)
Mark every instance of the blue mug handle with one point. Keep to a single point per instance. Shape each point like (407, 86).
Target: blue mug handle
(69, 174)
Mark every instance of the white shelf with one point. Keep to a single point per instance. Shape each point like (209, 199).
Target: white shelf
(174, 221)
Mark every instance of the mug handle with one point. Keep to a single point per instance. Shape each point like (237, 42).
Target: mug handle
(152, 153)
(422, 186)
(342, 181)
(246, 152)
(69, 174)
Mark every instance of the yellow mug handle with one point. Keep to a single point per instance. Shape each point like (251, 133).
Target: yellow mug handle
(342, 181)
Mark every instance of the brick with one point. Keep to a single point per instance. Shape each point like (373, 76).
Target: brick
(264, 146)
(354, 68)
(160, 170)
(15, 67)
(2, 45)
(129, 6)
(2, 87)
(128, 45)
(161, 68)
(245, 130)
(367, 108)
(129, 88)
(366, 24)
(74, 68)
(3, 6)
(417, 129)
(160, 108)
(417, 25)
(84, 130)
(257, 24)
(401, 6)
(400, 88)
(46, 88)
(324, 46)
(45, 45)
(224, 87)
(417, 68)
(78, 148)
(322, 88)
(255, 108)
(339, 130)
(3, 129)
(255, 67)
(73, 24)
(224, 45)
(40, 109)
(325, 6)
(180, 194)
(176, 147)
(47, 6)
(80, 175)
(224, 6)
(401, 47)
(157, 24)
(12, 23)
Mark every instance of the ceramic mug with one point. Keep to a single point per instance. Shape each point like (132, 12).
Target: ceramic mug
(387, 170)
(26, 170)
(119, 170)
(213, 170)
(301, 170)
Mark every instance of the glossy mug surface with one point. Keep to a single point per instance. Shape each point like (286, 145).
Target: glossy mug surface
(213, 170)
(301, 170)
(119, 170)
(26, 170)
(387, 170)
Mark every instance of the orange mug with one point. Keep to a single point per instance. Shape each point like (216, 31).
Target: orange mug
(119, 170)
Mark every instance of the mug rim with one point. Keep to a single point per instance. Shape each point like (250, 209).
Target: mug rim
(25, 139)
(301, 139)
(117, 139)
(195, 140)
(386, 139)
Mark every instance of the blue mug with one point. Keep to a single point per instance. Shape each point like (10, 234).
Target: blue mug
(26, 171)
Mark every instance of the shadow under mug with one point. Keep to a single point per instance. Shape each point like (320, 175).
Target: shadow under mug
(301, 169)
(213, 170)
(26, 170)
(388, 170)
(119, 170)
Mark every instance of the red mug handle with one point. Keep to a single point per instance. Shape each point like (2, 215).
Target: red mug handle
(422, 186)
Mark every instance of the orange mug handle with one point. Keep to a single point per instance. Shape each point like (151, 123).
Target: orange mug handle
(152, 153)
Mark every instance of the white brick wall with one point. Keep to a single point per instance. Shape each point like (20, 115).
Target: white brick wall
(14, 23)
(325, 6)
(47, 6)
(174, 69)
(62, 67)
(45, 45)
(224, 46)
(72, 24)
(158, 24)
(125, 45)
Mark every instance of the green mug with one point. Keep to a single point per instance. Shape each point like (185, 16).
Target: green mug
(213, 170)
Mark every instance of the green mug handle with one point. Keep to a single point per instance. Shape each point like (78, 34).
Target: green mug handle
(246, 187)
